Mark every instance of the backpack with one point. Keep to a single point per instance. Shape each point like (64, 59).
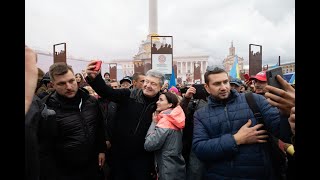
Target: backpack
(278, 157)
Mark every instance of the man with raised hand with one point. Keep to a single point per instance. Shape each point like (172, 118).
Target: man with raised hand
(134, 115)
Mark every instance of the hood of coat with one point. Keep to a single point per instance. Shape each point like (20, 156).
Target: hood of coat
(171, 118)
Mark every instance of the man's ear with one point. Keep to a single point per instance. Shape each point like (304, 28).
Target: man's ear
(206, 87)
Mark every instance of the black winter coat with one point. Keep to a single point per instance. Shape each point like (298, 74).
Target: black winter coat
(132, 120)
(73, 139)
(32, 118)
(189, 106)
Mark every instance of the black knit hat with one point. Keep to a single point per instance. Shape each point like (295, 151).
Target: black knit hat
(126, 79)
(46, 78)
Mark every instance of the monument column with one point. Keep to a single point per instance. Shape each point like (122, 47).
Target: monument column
(203, 65)
(153, 17)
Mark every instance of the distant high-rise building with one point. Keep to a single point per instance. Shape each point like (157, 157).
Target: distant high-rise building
(228, 61)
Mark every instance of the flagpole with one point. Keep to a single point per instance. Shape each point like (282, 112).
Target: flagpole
(279, 61)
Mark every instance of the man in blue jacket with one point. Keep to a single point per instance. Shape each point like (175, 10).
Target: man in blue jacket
(226, 134)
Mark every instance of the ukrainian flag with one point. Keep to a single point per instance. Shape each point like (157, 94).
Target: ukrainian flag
(172, 81)
(235, 72)
(293, 79)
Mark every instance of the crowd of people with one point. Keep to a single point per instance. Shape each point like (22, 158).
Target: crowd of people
(85, 126)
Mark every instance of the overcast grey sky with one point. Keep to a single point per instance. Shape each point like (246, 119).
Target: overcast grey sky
(114, 29)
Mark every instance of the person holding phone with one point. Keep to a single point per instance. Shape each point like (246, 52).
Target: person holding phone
(284, 100)
(195, 168)
(132, 120)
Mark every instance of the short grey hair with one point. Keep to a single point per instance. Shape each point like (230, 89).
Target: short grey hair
(156, 74)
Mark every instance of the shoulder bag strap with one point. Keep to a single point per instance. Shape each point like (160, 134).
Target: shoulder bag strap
(254, 107)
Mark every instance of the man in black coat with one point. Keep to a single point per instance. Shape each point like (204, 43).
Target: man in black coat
(132, 120)
(72, 144)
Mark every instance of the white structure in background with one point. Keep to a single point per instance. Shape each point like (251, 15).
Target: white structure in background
(185, 66)
(124, 67)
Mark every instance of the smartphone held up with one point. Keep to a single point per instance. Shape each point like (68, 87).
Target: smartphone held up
(98, 65)
(271, 77)
(246, 77)
(201, 92)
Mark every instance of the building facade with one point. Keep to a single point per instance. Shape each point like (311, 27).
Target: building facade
(229, 60)
(186, 68)
(124, 66)
(288, 67)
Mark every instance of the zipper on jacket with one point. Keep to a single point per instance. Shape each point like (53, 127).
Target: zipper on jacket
(228, 121)
(84, 125)
(229, 124)
(80, 104)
